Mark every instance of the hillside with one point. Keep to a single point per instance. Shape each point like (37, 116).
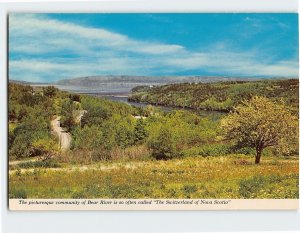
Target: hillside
(220, 96)
(92, 81)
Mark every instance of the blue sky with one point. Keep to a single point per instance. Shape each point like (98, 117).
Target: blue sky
(50, 47)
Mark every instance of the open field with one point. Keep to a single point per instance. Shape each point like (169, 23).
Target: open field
(231, 176)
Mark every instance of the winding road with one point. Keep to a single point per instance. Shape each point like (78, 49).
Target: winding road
(64, 137)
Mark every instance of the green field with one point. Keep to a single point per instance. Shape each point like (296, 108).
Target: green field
(231, 176)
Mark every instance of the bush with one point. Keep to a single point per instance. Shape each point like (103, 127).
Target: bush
(37, 164)
(84, 156)
(67, 119)
(274, 186)
(249, 187)
(189, 189)
(140, 152)
(19, 193)
(140, 133)
(163, 145)
(244, 150)
(208, 150)
(87, 137)
(44, 148)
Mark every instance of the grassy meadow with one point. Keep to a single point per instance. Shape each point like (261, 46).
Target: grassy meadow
(231, 176)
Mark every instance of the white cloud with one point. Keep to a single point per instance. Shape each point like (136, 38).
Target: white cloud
(40, 46)
(53, 32)
(235, 63)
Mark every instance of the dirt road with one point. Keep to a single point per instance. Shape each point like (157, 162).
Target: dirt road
(80, 168)
(64, 137)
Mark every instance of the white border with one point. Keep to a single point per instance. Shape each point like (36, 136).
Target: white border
(153, 6)
(153, 204)
(132, 221)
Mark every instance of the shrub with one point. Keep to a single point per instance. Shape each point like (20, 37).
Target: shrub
(208, 150)
(140, 152)
(242, 162)
(44, 148)
(244, 150)
(140, 133)
(87, 137)
(163, 145)
(189, 189)
(18, 193)
(37, 164)
(78, 194)
(273, 186)
(248, 187)
(83, 156)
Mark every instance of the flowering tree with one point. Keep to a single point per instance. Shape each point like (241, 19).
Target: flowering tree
(260, 123)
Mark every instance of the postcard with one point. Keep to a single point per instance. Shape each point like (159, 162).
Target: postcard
(153, 111)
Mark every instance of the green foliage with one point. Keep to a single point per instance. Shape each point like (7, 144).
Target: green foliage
(45, 148)
(50, 91)
(163, 145)
(220, 96)
(33, 127)
(260, 123)
(75, 97)
(31, 110)
(213, 104)
(107, 128)
(178, 131)
(208, 150)
(251, 186)
(67, 119)
(267, 187)
(18, 193)
(95, 115)
(124, 131)
(50, 163)
(140, 133)
(189, 189)
(103, 109)
(88, 137)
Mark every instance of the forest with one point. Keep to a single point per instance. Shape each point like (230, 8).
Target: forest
(121, 151)
(218, 96)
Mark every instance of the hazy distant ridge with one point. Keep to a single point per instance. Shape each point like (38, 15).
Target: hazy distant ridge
(99, 80)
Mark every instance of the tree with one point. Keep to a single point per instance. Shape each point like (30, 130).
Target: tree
(67, 119)
(140, 133)
(163, 145)
(74, 97)
(259, 123)
(50, 91)
(45, 148)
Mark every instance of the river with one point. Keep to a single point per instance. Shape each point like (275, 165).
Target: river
(119, 94)
(212, 115)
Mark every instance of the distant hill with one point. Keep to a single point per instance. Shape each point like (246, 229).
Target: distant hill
(93, 81)
(27, 83)
(124, 84)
